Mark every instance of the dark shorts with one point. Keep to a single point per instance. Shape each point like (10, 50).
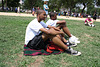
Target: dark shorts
(94, 18)
(37, 42)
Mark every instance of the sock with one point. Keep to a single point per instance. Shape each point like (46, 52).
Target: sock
(68, 50)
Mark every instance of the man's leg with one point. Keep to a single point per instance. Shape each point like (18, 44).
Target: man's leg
(62, 38)
(55, 40)
(65, 29)
(59, 43)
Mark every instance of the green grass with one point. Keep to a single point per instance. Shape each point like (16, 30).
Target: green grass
(12, 33)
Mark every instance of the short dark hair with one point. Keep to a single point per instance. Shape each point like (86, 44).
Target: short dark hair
(52, 14)
(45, 2)
(39, 11)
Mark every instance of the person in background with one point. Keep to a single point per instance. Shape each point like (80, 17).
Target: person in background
(33, 11)
(89, 22)
(46, 8)
(38, 8)
(16, 9)
(94, 16)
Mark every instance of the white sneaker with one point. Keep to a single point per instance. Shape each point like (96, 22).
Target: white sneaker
(92, 25)
(73, 40)
(70, 44)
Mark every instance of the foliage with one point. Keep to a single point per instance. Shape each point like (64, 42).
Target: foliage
(58, 4)
(91, 9)
(55, 5)
(2, 5)
(98, 11)
(85, 3)
(98, 2)
(28, 4)
(13, 3)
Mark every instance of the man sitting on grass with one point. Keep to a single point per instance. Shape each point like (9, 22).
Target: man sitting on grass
(62, 25)
(89, 22)
(37, 35)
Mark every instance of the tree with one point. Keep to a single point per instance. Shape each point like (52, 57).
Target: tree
(70, 4)
(28, 4)
(90, 9)
(85, 3)
(2, 5)
(55, 5)
(97, 2)
(13, 3)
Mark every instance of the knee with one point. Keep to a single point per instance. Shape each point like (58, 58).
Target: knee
(62, 25)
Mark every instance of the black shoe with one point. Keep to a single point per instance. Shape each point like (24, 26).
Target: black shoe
(72, 52)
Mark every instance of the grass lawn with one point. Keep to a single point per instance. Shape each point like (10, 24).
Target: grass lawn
(12, 34)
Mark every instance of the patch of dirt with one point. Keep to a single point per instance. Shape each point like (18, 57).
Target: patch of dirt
(20, 55)
(64, 63)
(37, 62)
(87, 35)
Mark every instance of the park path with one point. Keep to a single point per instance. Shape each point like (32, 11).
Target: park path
(30, 15)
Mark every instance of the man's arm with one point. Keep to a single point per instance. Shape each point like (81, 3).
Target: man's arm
(52, 31)
(61, 22)
(53, 27)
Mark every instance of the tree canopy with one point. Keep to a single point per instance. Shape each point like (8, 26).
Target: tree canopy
(55, 5)
(13, 3)
(58, 4)
(28, 4)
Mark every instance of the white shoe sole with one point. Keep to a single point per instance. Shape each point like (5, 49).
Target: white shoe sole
(78, 54)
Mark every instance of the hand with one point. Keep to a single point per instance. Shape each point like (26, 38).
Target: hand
(56, 28)
(62, 33)
(91, 22)
(55, 32)
(63, 21)
(53, 28)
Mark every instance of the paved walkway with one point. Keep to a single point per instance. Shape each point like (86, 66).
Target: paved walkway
(30, 15)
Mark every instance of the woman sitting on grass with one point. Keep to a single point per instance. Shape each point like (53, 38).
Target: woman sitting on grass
(89, 22)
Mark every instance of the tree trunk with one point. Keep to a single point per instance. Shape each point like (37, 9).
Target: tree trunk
(70, 11)
(83, 7)
(83, 10)
(6, 6)
(2, 5)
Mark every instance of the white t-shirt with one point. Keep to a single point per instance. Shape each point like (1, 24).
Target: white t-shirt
(52, 22)
(33, 29)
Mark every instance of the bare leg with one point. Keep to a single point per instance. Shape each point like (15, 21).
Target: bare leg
(55, 40)
(62, 38)
(65, 29)
(58, 42)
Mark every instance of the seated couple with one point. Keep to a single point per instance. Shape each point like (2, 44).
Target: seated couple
(38, 33)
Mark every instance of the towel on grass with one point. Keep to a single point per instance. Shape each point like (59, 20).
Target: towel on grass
(51, 49)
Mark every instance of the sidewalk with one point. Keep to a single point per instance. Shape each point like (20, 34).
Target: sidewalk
(30, 15)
